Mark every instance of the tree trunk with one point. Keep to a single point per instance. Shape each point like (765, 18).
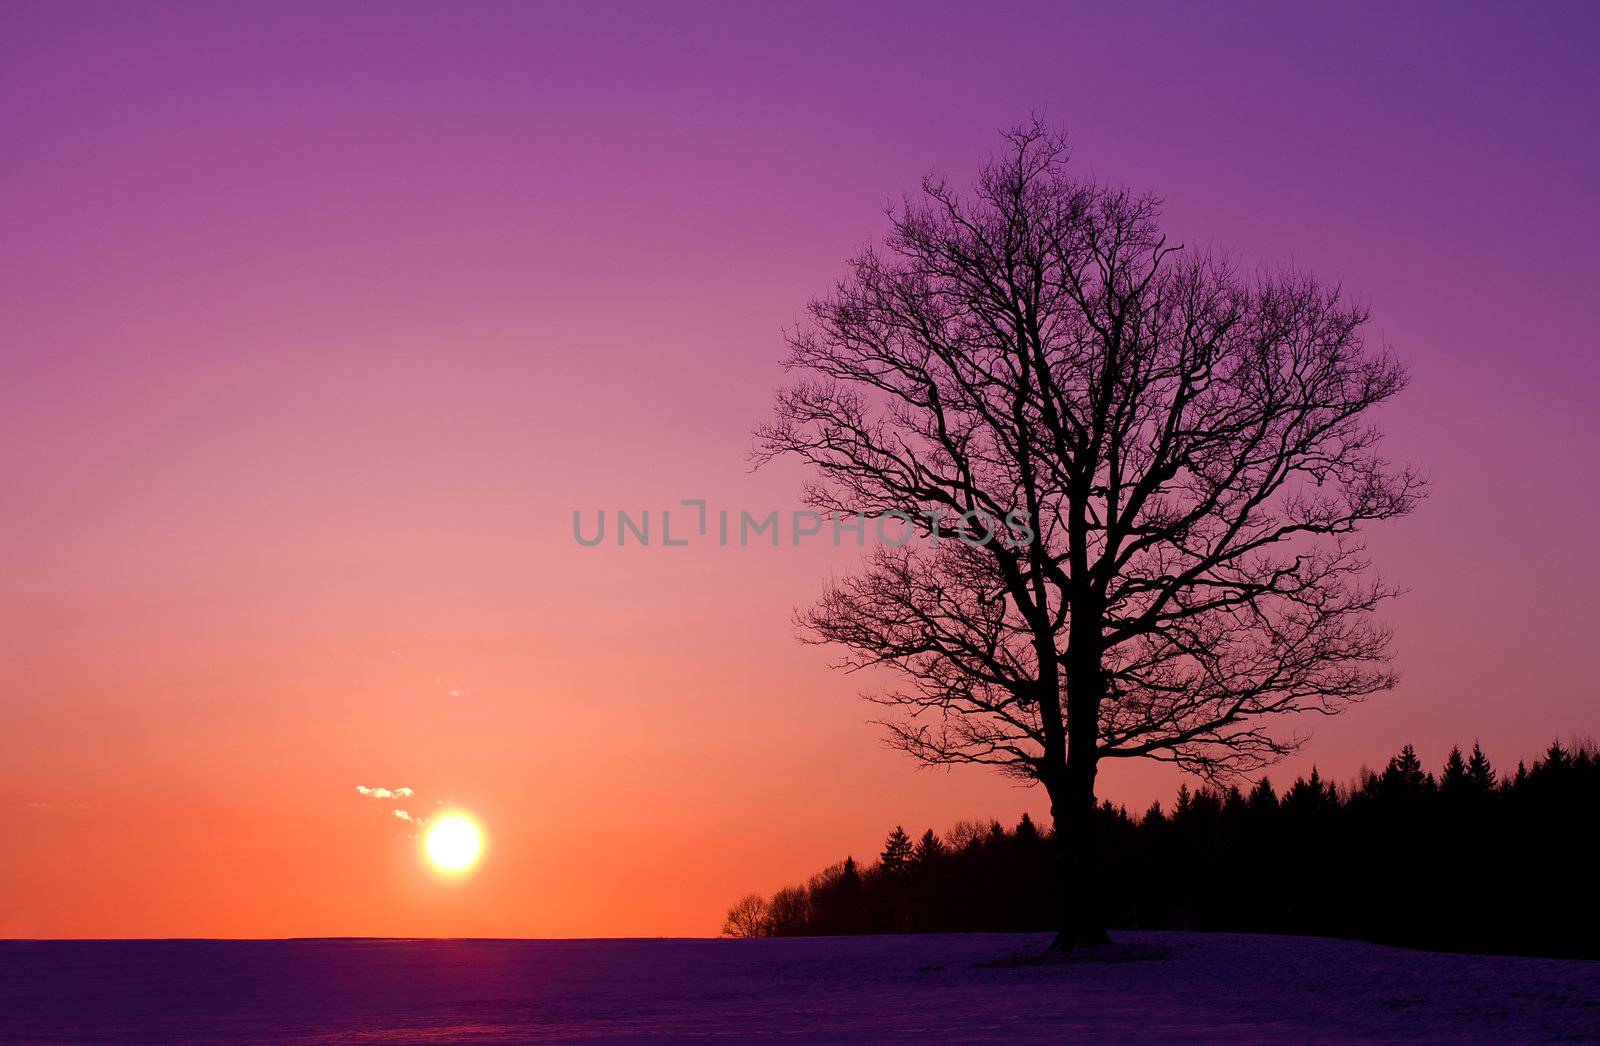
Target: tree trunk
(1072, 808)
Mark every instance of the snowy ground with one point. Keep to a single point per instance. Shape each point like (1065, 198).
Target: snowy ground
(1161, 987)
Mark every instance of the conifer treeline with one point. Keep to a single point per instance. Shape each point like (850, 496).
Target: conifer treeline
(1467, 860)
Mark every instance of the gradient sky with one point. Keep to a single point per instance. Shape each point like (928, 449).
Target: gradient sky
(320, 320)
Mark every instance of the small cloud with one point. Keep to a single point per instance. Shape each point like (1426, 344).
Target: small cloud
(392, 794)
(384, 793)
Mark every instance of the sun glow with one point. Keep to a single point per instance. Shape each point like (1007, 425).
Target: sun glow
(453, 843)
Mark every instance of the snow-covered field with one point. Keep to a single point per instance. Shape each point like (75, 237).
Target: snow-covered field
(1152, 987)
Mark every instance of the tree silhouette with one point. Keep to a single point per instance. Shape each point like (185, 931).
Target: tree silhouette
(1556, 759)
(1311, 794)
(1027, 833)
(1454, 781)
(1136, 475)
(1404, 774)
(897, 851)
(1479, 771)
(789, 913)
(747, 918)
(838, 900)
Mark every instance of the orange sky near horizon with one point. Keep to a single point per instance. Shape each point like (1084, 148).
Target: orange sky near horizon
(319, 327)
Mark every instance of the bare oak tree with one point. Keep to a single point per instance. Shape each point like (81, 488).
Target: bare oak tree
(1134, 475)
(747, 918)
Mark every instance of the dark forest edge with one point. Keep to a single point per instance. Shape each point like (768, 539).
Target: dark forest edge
(1469, 860)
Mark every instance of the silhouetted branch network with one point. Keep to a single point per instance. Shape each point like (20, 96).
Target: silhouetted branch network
(1187, 441)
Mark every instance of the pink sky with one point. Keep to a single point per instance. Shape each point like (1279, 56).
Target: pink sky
(318, 327)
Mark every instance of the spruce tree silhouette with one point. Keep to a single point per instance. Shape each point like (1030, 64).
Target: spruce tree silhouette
(851, 899)
(897, 851)
(1480, 772)
(1403, 775)
(1453, 780)
(1027, 835)
(1556, 760)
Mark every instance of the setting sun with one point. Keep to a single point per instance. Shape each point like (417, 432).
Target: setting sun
(453, 843)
